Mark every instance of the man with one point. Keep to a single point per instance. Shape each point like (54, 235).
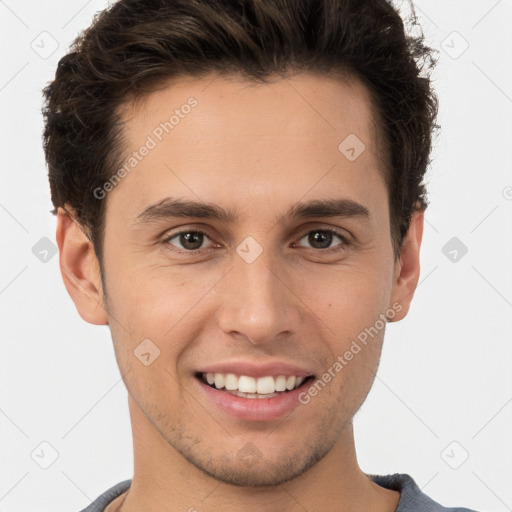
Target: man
(239, 196)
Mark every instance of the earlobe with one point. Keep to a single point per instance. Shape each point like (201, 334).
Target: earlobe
(80, 270)
(407, 268)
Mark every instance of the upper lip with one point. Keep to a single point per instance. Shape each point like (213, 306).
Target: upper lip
(251, 369)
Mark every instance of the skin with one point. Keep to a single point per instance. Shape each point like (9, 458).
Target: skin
(255, 149)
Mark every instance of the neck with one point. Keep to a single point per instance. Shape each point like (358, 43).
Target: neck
(165, 481)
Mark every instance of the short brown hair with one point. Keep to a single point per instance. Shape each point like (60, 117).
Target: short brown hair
(135, 45)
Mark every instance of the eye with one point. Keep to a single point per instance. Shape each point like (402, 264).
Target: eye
(322, 239)
(189, 240)
(319, 239)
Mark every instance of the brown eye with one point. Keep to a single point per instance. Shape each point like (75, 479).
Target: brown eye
(322, 239)
(189, 240)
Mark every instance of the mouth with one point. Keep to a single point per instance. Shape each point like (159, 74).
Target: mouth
(246, 386)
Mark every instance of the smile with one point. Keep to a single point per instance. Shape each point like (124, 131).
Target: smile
(246, 386)
(244, 397)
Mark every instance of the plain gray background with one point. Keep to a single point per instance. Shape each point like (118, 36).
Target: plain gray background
(441, 406)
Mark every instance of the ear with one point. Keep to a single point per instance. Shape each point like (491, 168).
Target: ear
(80, 269)
(407, 268)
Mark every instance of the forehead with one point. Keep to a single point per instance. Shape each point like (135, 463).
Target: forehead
(210, 136)
(239, 105)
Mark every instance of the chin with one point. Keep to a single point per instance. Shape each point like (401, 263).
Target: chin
(251, 468)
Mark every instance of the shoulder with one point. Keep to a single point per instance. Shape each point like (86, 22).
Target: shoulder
(412, 499)
(102, 501)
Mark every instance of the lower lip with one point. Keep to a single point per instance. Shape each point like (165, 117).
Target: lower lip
(254, 409)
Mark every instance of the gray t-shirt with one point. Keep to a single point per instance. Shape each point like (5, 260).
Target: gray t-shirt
(411, 497)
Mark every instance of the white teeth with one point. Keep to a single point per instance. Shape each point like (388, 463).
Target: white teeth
(219, 380)
(247, 386)
(252, 395)
(265, 385)
(281, 383)
(231, 381)
(290, 382)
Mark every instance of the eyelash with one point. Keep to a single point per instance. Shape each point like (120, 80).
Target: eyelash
(337, 248)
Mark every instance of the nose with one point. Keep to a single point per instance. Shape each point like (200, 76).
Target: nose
(259, 303)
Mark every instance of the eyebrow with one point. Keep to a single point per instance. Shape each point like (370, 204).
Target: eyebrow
(170, 208)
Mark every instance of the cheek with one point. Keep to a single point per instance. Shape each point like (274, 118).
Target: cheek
(351, 304)
(349, 299)
(159, 304)
(150, 299)
(355, 316)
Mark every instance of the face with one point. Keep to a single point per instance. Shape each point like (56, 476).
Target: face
(275, 283)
